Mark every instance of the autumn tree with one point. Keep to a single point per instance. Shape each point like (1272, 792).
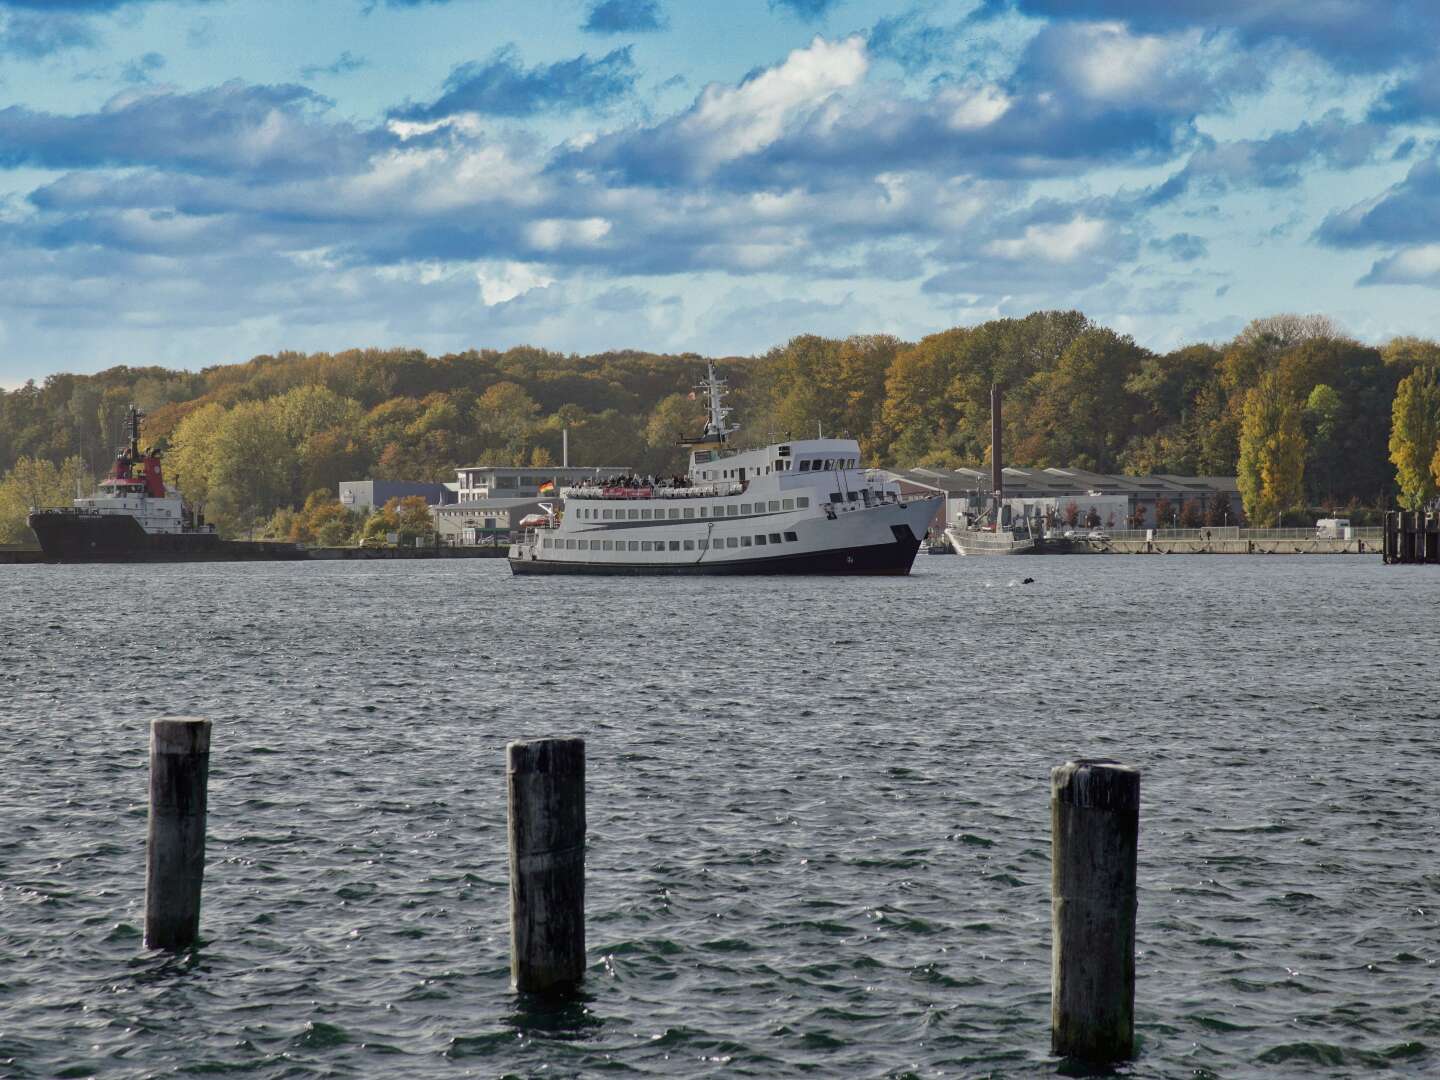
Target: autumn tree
(1272, 452)
(1415, 437)
(190, 462)
(253, 464)
(32, 483)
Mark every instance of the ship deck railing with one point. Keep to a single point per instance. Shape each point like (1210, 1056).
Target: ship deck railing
(657, 491)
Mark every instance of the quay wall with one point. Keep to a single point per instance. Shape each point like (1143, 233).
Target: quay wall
(1199, 546)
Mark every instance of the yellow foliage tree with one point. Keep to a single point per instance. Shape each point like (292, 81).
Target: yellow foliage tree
(1415, 437)
(34, 482)
(1272, 452)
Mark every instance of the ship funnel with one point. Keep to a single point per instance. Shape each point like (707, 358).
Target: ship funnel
(997, 468)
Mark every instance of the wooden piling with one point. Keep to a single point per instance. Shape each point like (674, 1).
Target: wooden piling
(175, 849)
(1094, 820)
(546, 796)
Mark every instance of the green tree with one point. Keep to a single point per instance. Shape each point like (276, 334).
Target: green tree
(506, 416)
(254, 464)
(1415, 436)
(1321, 422)
(1272, 452)
(190, 461)
(34, 483)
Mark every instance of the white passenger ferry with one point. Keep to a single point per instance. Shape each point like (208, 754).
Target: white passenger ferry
(799, 507)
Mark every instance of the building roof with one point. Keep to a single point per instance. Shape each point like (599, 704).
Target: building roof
(1054, 482)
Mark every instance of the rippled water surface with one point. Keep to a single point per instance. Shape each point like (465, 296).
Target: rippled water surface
(818, 810)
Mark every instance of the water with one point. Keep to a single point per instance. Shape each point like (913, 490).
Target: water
(819, 823)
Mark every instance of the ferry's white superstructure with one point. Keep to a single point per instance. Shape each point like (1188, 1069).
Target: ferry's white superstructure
(803, 506)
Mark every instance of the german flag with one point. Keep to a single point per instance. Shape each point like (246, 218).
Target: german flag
(547, 488)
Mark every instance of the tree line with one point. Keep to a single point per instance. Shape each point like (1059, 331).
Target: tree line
(1304, 415)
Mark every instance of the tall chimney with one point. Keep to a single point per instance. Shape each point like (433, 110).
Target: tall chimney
(565, 447)
(997, 469)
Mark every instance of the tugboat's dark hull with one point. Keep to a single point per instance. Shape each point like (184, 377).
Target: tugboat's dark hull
(73, 536)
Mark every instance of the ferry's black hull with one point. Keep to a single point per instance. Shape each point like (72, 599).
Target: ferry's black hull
(894, 559)
(71, 537)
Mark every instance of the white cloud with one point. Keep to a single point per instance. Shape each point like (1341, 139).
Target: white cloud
(504, 281)
(1063, 242)
(551, 234)
(739, 120)
(973, 108)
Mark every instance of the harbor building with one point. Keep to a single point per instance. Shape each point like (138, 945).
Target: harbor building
(1116, 502)
(366, 495)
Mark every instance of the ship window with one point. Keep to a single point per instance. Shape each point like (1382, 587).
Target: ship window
(791, 537)
(607, 545)
(675, 514)
(760, 539)
(633, 514)
(732, 541)
(605, 514)
(854, 496)
(704, 544)
(835, 497)
(789, 504)
(732, 510)
(805, 465)
(594, 545)
(646, 545)
(744, 508)
(645, 514)
(634, 545)
(774, 538)
(700, 510)
(774, 504)
(802, 503)
(689, 545)
(689, 513)
(744, 541)
(674, 545)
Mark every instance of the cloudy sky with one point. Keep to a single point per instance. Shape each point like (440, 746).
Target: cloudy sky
(190, 182)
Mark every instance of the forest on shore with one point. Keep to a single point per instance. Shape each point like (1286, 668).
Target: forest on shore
(1303, 414)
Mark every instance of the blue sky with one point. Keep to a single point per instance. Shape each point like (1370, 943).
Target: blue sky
(191, 182)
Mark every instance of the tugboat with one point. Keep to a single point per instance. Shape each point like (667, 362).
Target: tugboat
(135, 517)
(801, 507)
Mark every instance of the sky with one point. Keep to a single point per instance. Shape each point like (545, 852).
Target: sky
(194, 182)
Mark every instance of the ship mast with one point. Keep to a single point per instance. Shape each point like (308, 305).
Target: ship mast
(997, 468)
(716, 430)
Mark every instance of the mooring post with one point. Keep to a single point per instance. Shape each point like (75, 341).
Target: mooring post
(1094, 821)
(175, 850)
(546, 795)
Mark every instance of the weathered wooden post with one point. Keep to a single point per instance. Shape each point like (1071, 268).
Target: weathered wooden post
(1095, 827)
(546, 795)
(175, 850)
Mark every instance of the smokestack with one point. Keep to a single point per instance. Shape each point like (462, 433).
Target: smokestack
(565, 447)
(997, 469)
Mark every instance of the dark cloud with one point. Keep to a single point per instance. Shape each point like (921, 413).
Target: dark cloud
(344, 64)
(1353, 35)
(1065, 108)
(1407, 213)
(807, 10)
(503, 86)
(141, 68)
(33, 36)
(1413, 99)
(263, 132)
(911, 41)
(1186, 247)
(1278, 161)
(624, 17)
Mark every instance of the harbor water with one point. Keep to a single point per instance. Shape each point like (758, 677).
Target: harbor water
(818, 811)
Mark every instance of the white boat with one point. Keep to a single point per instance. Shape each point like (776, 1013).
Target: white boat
(799, 507)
